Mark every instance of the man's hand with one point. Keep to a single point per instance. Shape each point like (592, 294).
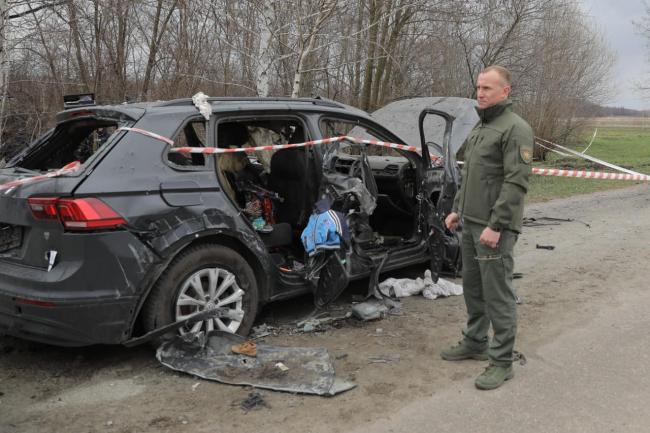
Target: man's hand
(489, 237)
(452, 221)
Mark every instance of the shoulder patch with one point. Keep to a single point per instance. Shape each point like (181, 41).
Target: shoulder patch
(526, 154)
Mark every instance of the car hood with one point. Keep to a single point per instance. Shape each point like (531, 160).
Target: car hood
(401, 117)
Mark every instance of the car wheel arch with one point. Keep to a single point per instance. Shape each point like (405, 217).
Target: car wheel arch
(223, 239)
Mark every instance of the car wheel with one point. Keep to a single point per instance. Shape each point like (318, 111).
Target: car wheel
(200, 278)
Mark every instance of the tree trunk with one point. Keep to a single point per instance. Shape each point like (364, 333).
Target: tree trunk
(375, 13)
(99, 64)
(158, 32)
(265, 62)
(4, 66)
(325, 13)
(76, 38)
(382, 53)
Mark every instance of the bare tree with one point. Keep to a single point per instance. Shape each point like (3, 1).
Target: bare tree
(363, 52)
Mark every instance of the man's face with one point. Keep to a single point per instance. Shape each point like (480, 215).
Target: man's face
(491, 89)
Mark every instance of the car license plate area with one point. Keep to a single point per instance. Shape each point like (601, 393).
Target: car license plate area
(10, 237)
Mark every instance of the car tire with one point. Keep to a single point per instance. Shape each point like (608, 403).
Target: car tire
(200, 266)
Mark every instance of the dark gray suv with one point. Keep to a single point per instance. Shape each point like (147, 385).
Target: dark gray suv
(137, 235)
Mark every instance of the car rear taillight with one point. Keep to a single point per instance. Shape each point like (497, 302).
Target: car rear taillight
(76, 213)
(43, 208)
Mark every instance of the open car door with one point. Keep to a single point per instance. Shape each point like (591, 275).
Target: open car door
(439, 127)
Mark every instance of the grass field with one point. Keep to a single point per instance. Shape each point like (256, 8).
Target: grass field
(624, 143)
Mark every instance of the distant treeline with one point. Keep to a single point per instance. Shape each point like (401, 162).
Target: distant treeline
(594, 110)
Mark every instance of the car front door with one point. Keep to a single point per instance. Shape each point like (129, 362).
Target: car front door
(440, 185)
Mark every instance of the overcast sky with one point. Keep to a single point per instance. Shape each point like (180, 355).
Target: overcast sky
(614, 18)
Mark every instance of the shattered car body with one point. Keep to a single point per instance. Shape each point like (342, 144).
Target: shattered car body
(138, 236)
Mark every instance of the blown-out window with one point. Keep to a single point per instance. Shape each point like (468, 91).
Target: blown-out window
(193, 134)
(331, 127)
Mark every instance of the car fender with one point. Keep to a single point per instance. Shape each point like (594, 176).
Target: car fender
(212, 226)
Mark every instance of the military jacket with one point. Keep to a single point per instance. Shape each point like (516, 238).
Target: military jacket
(498, 154)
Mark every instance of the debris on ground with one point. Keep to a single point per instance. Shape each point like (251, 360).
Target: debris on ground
(403, 287)
(318, 322)
(550, 221)
(383, 359)
(370, 310)
(248, 348)
(262, 331)
(253, 401)
(545, 247)
(394, 307)
(518, 356)
(306, 370)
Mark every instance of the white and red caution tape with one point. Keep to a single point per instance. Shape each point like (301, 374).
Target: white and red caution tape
(148, 134)
(218, 150)
(587, 157)
(74, 166)
(589, 174)
(69, 168)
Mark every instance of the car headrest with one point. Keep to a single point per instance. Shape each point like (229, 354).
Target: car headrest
(231, 134)
(289, 164)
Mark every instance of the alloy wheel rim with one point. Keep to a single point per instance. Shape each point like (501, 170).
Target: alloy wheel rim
(210, 288)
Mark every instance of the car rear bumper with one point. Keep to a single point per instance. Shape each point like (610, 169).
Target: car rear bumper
(90, 296)
(68, 323)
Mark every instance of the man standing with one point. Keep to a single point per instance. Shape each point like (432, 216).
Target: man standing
(498, 153)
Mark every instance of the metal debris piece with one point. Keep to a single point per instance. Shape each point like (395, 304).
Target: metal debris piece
(317, 322)
(545, 247)
(383, 359)
(309, 369)
(550, 221)
(261, 331)
(253, 401)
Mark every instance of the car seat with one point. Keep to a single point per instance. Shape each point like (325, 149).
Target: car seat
(289, 179)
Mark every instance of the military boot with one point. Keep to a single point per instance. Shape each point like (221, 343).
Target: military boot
(463, 351)
(494, 376)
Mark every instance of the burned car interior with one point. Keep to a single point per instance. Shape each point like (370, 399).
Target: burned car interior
(376, 188)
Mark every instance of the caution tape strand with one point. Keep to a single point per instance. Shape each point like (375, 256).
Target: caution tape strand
(74, 166)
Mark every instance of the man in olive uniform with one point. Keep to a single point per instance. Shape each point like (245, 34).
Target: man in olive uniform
(490, 203)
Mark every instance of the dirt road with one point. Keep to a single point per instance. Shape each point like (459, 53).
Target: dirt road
(583, 329)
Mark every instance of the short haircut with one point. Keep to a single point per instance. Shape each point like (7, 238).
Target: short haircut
(503, 73)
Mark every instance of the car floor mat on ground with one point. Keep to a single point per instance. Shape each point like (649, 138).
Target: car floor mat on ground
(309, 371)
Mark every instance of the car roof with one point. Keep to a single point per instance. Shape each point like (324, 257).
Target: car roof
(223, 104)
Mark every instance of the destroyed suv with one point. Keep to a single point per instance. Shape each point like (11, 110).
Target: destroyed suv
(139, 229)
